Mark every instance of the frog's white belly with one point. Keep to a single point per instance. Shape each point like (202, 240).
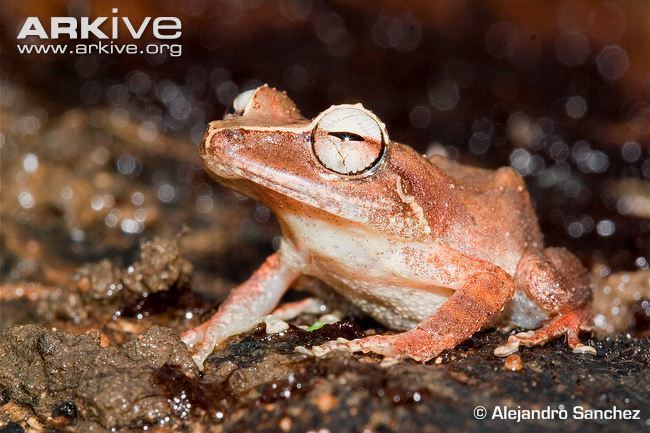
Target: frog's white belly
(387, 279)
(396, 307)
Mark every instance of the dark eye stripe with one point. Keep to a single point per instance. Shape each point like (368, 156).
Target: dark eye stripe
(346, 136)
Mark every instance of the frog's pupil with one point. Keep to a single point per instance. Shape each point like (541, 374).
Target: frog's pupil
(346, 136)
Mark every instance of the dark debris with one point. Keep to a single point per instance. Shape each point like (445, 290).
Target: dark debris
(256, 383)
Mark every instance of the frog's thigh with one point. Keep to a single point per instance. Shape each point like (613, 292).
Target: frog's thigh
(470, 308)
(556, 280)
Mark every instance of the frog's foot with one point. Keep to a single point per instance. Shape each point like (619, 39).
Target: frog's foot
(202, 340)
(569, 323)
(194, 335)
(413, 344)
(379, 344)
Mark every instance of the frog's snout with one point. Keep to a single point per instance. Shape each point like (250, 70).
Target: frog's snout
(216, 150)
(216, 141)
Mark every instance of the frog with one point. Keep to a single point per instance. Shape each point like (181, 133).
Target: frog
(430, 248)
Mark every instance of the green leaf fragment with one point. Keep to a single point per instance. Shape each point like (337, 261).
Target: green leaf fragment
(316, 326)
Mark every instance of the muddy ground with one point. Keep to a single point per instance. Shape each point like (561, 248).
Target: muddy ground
(110, 359)
(113, 240)
(257, 384)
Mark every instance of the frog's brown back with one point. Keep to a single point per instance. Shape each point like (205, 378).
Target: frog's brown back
(503, 215)
(476, 177)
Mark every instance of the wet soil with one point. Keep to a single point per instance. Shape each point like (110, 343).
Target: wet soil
(258, 384)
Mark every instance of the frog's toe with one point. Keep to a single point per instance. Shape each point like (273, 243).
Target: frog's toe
(204, 350)
(201, 341)
(584, 348)
(331, 346)
(526, 338)
(193, 336)
(507, 349)
(576, 345)
(390, 361)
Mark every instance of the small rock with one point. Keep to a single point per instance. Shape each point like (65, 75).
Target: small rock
(275, 325)
(514, 363)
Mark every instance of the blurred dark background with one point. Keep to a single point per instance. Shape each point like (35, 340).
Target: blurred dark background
(100, 150)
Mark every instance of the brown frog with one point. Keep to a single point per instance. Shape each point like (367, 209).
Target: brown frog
(430, 247)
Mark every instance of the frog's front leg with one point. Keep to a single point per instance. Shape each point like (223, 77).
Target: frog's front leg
(244, 307)
(470, 308)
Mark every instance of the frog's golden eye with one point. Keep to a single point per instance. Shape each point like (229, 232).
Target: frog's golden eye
(348, 140)
(237, 106)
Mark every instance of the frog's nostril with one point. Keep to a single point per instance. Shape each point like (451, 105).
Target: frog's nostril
(230, 111)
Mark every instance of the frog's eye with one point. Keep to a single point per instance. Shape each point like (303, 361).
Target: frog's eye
(348, 140)
(236, 108)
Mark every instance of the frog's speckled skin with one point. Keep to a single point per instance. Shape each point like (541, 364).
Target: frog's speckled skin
(428, 246)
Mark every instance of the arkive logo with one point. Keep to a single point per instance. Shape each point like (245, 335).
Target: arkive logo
(83, 28)
(106, 31)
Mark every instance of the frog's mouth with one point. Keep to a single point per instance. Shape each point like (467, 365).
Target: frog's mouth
(255, 178)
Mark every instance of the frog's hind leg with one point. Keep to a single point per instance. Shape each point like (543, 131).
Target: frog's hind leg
(469, 309)
(558, 283)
